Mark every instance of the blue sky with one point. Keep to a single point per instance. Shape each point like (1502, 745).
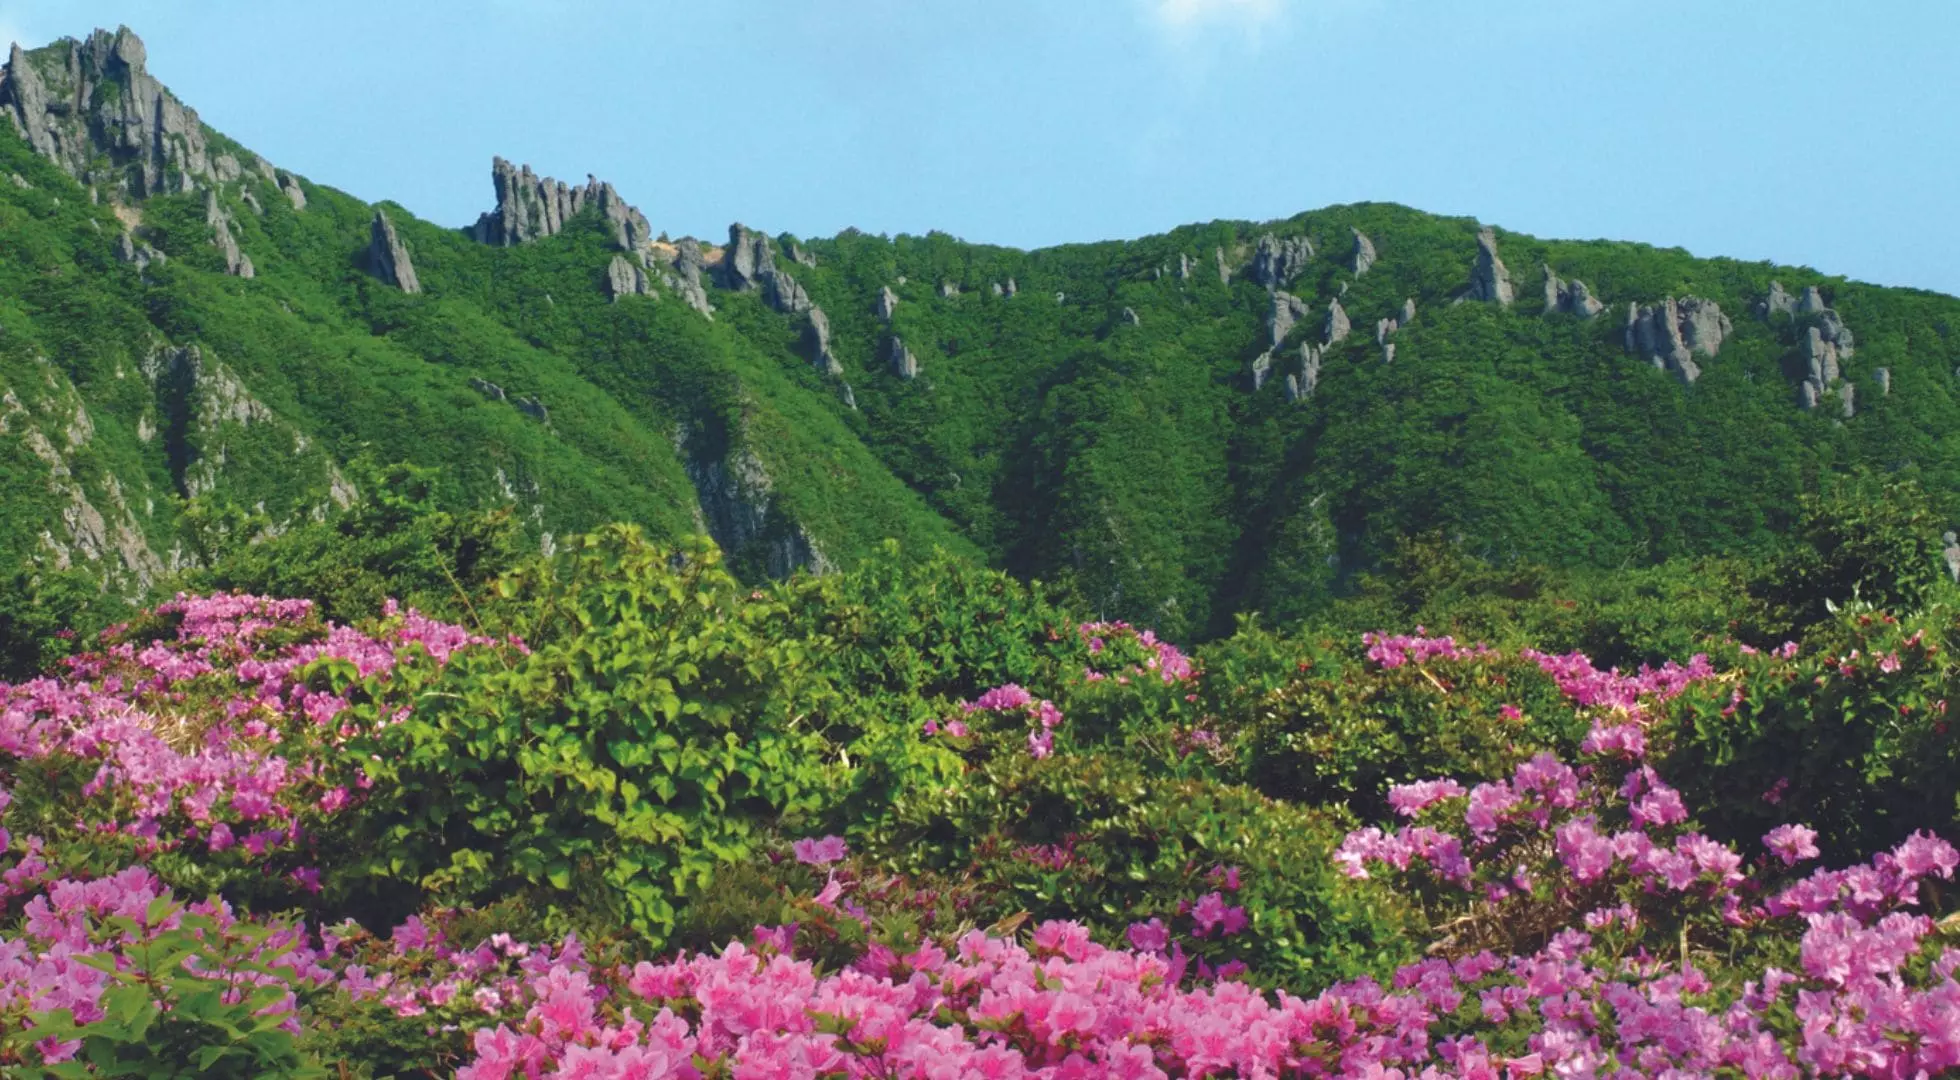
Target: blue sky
(1818, 133)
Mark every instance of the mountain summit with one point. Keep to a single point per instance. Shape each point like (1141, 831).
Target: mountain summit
(1225, 417)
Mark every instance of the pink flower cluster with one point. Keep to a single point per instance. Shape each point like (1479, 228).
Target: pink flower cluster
(1395, 650)
(206, 736)
(1160, 657)
(1011, 698)
(1590, 688)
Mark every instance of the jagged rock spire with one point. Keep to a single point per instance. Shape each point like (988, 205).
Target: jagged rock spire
(531, 207)
(1363, 255)
(83, 103)
(1489, 281)
(387, 258)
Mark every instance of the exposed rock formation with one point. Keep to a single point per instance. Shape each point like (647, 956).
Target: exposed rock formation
(801, 257)
(1287, 310)
(1276, 262)
(1262, 369)
(1363, 255)
(1012, 288)
(817, 333)
(137, 254)
(903, 363)
(1224, 270)
(887, 303)
(949, 289)
(1777, 302)
(1183, 267)
(1383, 328)
(738, 509)
(624, 278)
(289, 186)
(1489, 281)
(1337, 323)
(1847, 400)
(1884, 377)
(746, 260)
(1952, 554)
(1408, 312)
(91, 108)
(689, 266)
(1811, 301)
(1301, 385)
(534, 409)
(487, 389)
(1388, 353)
(1569, 297)
(1130, 316)
(237, 263)
(531, 207)
(1668, 334)
(387, 258)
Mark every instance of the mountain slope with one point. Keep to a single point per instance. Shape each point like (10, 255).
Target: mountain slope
(1178, 427)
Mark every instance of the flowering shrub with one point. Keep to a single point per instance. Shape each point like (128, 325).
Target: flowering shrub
(199, 740)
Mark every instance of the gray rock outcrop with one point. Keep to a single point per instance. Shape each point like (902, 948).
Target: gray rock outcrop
(903, 364)
(1276, 262)
(1130, 317)
(887, 303)
(1183, 267)
(1811, 301)
(1337, 323)
(1012, 288)
(1884, 377)
(816, 333)
(687, 269)
(739, 510)
(1408, 312)
(624, 278)
(487, 389)
(237, 263)
(1569, 297)
(1847, 400)
(1300, 385)
(949, 289)
(388, 258)
(1489, 281)
(1777, 302)
(801, 257)
(1668, 334)
(289, 187)
(1388, 352)
(1363, 255)
(1262, 369)
(137, 253)
(531, 207)
(533, 408)
(92, 109)
(1224, 269)
(746, 260)
(1287, 310)
(1952, 555)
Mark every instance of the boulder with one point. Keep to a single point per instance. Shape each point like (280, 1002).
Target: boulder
(1812, 301)
(1012, 288)
(1383, 328)
(1130, 317)
(1363, 255)
(1408, 312)
(887, 303)
(1262, 369)
(949, 289)
(1276, 262)
(1884, 377)
(387, 257)
(1337, 323)
(1388, 353)
(1489, 281)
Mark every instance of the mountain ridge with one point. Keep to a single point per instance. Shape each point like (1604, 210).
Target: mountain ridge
(1226, 417)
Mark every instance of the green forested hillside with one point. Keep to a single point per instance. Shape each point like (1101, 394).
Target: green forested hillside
(1084, 414)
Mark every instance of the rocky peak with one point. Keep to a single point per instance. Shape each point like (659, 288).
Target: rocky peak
(1569, 297)
(388, 258)
(1489, 281)
(1671, 332)
(1275, 262)
(748, 259)
(1363, 255)
(92, 109)
(531, 207)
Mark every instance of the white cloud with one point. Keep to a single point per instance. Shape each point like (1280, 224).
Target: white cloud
(1181, 18)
